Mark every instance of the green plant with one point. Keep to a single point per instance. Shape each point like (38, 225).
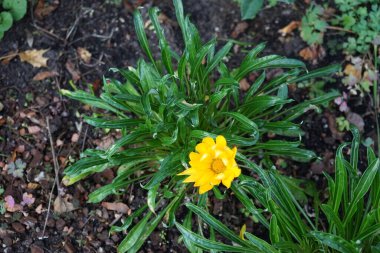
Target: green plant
(165, 106)
(347, 222)
(362, 18)
(313, 25)
(342, 124)
(250, 8)
(13, 10)
(2, 203)
(358, 20)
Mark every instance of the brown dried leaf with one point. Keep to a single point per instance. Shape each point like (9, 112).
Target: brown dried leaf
(353, 71)
(84, 54)
(239, 28)
(356, 120)
(244, 85)
(289, 28)
(7, 58)
(44, 74)
(34, 57)
(118, 207)
(75, 74)
(61, 205)
(314, 53)
(43, 10)
(34, 129)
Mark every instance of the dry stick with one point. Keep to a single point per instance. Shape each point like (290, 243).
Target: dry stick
(339, 29)
(56, 178)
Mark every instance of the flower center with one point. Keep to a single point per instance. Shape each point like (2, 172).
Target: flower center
(218, 166)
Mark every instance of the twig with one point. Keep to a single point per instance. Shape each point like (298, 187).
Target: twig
(49, 33)
(8, 56)
(339, 29)
(84, 138)
(56, 178)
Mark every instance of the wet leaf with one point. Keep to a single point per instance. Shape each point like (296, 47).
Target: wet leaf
(34, 57)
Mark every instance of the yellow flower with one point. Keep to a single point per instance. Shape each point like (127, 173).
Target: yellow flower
(213, 163)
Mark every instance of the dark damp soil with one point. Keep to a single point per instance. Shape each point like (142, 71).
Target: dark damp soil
(106, 31)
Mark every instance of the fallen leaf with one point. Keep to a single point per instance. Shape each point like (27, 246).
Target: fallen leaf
(61, 205)
(32, 186)
(34, 129)
(356, 120)
(118, 207)
(243, 84)
(105, 142)
(10, 204)
(42, 10)
(289, 28)
(313, 53)
(7, 58)
(34, 57)
(75, 137)
(39, 209)
(27, 199)
(44, 74)
(351, 70)
(239, 28)
(75, 74)
(84, 54)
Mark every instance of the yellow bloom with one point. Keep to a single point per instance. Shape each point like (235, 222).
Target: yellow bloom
(213, 163)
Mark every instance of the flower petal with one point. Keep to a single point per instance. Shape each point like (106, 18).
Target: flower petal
(221, 141)
(205, 188)
(208, 140)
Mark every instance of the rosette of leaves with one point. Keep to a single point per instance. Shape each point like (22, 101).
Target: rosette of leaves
(348, 221)
(6, 22)
(164, 106)
(16, 7)
(13, 10)
(313, 25)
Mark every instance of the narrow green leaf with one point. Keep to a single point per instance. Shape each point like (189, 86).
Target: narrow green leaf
(260, 244)
(334, 241)
(211, 245)
(217, 225)
(141, 36)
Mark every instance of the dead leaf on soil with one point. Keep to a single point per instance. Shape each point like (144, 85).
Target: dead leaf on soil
(289, 28)
(75, 74)
(313, 53)
(27, 199)
(34, 57)
(62, 205)
(42, 10)
(10, 204)
(84, 54)
(351, 70)
(239, 28)
(34, 129)
(356, 120)
(44, 74)
(7, 58)
(244, 85)
(118, 207)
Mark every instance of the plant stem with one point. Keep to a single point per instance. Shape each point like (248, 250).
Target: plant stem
(376, 101)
